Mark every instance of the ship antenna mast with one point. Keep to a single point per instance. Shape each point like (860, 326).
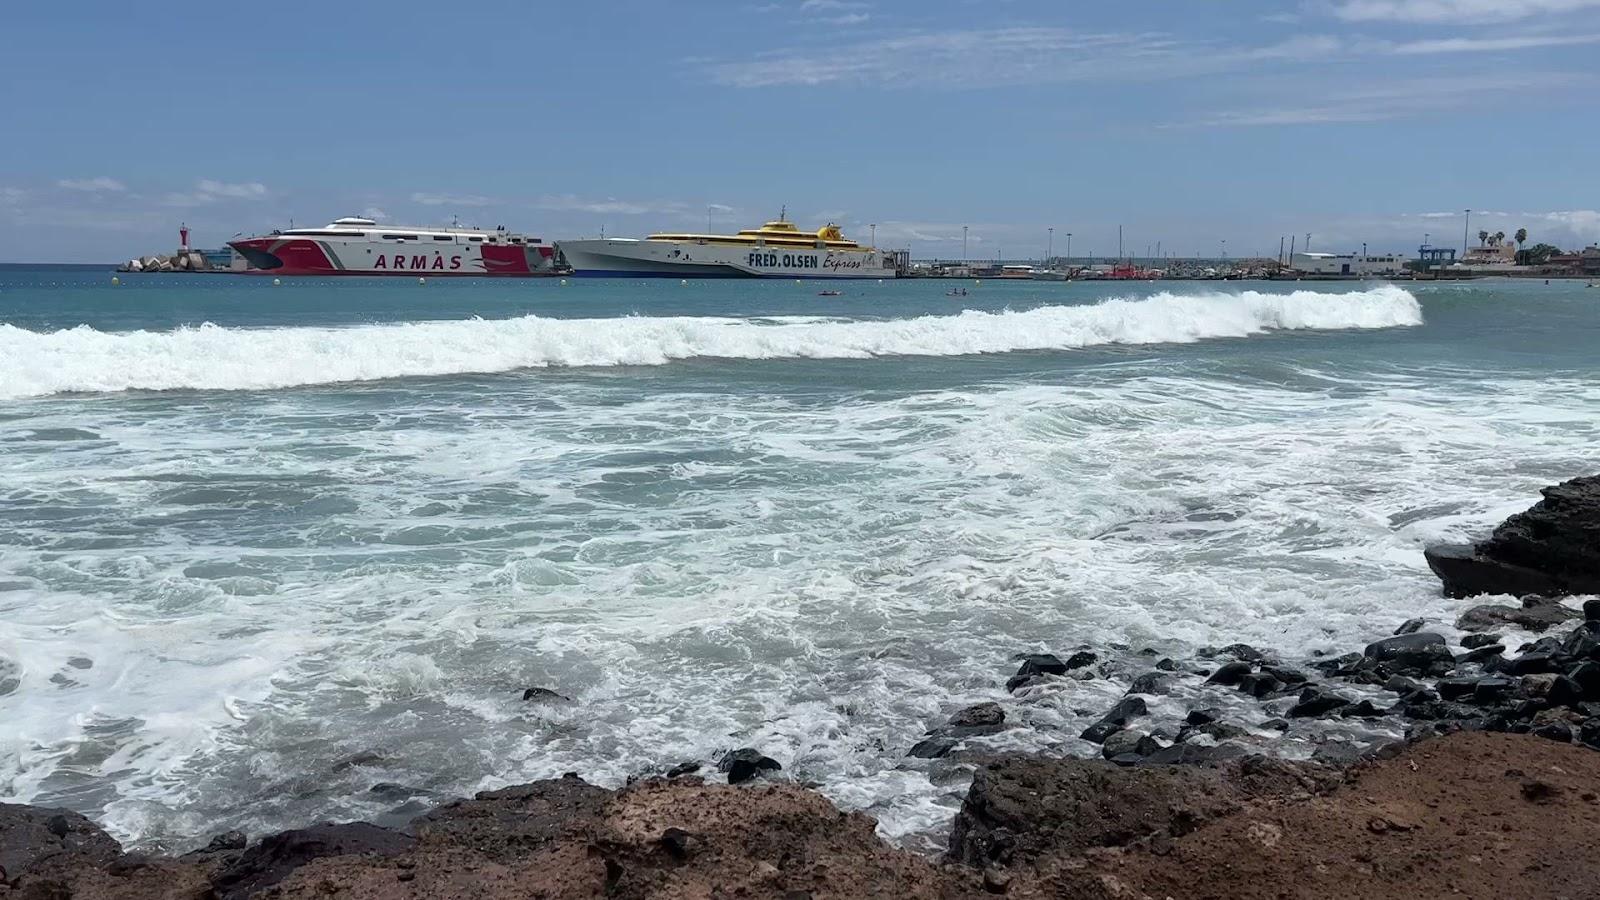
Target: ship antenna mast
(783, 214)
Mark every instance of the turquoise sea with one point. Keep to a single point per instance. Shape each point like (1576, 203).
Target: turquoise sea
(276, 554)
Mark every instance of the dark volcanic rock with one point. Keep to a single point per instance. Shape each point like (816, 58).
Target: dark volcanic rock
(1259, 684)
(1285, 674)
(1474, 641)
(1316, 701)
(1534, 618)
(1126, 741)
(981, 715)
(1552, 549)
(1113, 721)
(1151, 683)
(1243, 652)
(1481, 655)
(35, 841)
(1403, 686)
(544, 695)
(1559, 536)
(1423, 653)
(684, 768)
(1410, 626)
(745, 764)
(932, 748)
(1080, 659)
(1530, 664)
(1198, 717)
(277, 856)
(1230, 674)
(1034, 665)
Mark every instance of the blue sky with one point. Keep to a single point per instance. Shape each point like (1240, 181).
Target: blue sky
(1189, 123)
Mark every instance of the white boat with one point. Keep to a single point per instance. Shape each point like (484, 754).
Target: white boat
(358, 246)
(775, 250)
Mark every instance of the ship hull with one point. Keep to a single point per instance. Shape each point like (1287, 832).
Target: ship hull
(626, 258)
(281, 255)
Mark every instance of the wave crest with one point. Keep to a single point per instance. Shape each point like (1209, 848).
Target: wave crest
(209, 357)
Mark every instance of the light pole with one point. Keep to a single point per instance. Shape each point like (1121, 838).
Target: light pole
(1069, 248)
(1050, 246)
(874, 227)
(963, 244)
(1465, 229)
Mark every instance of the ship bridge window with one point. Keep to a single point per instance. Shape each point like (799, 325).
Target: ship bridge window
(442, 237)
(400, 237)
(309, 232)
(516, 240)
(476, 239)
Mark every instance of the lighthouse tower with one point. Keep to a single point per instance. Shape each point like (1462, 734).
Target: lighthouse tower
(183, 238)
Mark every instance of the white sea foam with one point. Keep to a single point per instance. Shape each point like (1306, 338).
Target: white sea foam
(214, 358)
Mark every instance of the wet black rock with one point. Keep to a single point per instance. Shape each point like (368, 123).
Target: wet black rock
(932, 748)
(745, 764)
(1120, 715)
(1410, 626)
(1122, 742)
(1338, 665)
(684, 768)
(1198, 717)
(1316, 702)
(1474, 641)
(1276, 724)
(1167, 665)
(544, 695)
(1530, 664)
(1456, 688)
(1081, 659)
(1151, 683)
(979, 716)
(1591, 609)
(1531, 618)
(1230, 674)
(1420, 654)
(275, 857)
(1589, 732)
(1555, 731)
(1222, 731)
(1582, 642)
(1243, 653)
(1035, 665)
(1363, 710)
(1403, 686)
(1564, 691)
(1559, 537)
(1285, 674)
(1587, 675)
(1481, 655)
(1467, 572)
(1260, 684)
(1492, 690)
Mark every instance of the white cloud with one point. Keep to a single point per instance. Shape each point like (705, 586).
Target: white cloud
(613, 206)
(1462, 12)
(1009, 56)
(10, 196)
(1493, 44)
(847, 19)
(1392, 99)
(450, 199)
(208, 191)
(225, 189)
(816, 5)
(374, 213)
(93, 185)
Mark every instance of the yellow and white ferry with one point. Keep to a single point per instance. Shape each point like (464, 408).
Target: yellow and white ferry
(777, 249)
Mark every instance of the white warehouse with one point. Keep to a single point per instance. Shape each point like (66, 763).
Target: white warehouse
(1352, 264)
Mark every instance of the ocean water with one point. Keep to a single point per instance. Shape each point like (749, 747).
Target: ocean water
(271, 555)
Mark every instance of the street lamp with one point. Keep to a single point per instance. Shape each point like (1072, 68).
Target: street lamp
(1465, 230)
(1069, 248)
(874, 227)
(963, 243)
(1050, 247)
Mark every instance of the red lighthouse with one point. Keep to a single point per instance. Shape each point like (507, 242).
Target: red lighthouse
(183, 238)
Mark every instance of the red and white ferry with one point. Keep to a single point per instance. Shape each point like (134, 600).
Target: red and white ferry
(357, 246)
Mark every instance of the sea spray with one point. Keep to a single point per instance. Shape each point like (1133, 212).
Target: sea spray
(209, 357)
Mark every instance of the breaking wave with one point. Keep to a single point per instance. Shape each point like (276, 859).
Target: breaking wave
(209, 357)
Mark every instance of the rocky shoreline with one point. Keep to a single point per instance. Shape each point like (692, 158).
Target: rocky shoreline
(1428, 769)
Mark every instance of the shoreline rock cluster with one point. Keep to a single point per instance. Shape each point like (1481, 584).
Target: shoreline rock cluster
(1436, 771)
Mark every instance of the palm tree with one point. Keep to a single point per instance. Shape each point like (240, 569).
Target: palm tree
(1499, 238)
(1521, 237)
(1483, 238)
